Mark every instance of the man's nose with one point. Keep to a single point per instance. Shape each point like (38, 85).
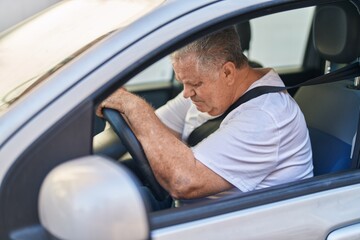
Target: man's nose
(188, 91)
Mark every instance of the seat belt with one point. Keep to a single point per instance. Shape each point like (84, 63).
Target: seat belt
(204, 130)
(355, 161)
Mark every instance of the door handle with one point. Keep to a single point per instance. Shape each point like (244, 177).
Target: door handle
(346, 233)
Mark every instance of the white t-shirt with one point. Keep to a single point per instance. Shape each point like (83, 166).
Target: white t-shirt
(263, 142)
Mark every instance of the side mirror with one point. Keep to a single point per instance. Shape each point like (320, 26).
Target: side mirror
(92, 198)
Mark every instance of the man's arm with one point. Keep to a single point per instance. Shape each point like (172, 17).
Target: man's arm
(173, 132)
(172, 162)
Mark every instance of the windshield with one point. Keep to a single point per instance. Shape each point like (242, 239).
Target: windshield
(41, 45)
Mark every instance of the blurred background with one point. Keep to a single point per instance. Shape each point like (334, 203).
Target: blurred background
(14, 11)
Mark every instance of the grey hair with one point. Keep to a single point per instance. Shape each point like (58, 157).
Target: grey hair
(214, 49)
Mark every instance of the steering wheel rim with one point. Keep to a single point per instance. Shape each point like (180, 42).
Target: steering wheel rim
(128, 138)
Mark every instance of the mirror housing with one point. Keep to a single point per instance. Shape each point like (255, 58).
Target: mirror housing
(93, 198)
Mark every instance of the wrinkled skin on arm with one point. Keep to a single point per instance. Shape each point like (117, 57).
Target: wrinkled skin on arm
(172, 161)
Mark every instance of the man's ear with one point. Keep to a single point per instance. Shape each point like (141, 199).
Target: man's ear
(228, 72)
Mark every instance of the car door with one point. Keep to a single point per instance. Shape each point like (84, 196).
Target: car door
(312, 209)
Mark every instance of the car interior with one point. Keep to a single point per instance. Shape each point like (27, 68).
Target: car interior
(331, 111)
(332, 134)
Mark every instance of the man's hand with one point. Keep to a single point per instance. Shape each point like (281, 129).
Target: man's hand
(116, 101)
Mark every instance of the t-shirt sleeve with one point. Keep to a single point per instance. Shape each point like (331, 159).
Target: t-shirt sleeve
(173, 113)
(244, 150)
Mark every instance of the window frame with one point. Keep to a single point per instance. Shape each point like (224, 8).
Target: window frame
(292, 190)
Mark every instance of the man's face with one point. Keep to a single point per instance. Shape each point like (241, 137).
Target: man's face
(203, 86)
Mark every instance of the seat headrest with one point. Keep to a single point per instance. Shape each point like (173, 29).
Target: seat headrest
(336, 32)
(244, 32)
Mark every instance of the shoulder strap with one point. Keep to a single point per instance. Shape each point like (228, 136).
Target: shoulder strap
(355, 159)
(349, 71)
(199, 133)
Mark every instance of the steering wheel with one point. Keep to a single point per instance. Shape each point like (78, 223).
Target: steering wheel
(128, 138)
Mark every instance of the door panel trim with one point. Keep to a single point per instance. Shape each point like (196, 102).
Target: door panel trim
(304, 217)
(255, 198)
(346, 233)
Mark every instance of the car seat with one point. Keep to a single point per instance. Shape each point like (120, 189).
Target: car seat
(244, 31)
(332, 110)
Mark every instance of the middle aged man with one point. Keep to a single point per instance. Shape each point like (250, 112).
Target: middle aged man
(263, 142)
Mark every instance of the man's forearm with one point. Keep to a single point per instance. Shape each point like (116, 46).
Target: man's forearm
(168, 156)
(172, 162)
